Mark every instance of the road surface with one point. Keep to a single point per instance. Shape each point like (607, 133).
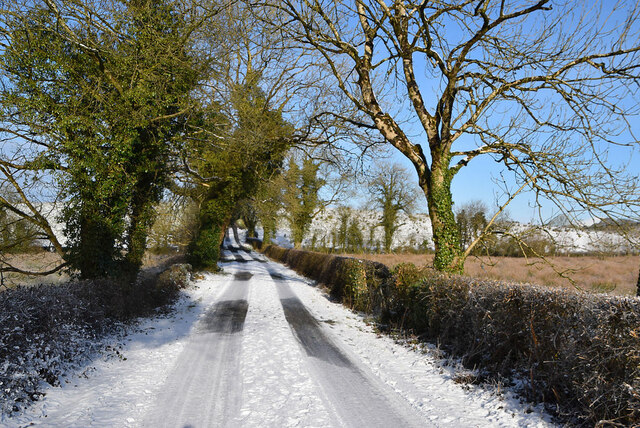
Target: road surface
(274, 364)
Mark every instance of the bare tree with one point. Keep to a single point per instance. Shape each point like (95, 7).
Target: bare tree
(543, 87)
(392, 193)
(471, 218)
(24, 190)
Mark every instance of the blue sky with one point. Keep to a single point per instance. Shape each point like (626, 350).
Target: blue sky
(482, 178)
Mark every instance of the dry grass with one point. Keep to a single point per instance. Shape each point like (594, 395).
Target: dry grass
(34, 261)
(615, 275)
(44, 260)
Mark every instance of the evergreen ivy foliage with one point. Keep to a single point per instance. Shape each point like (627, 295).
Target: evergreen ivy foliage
(348, 234)
(249, 149)
(472, 222)
(110, 106)
(301, 200)
(270, 196)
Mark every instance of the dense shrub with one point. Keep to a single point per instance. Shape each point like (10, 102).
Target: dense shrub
(580, 352)
(47, 330)
(205, 249)
(175, 276)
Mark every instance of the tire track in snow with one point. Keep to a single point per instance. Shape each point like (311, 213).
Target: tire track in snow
(204, 388)
(277, 388)
(235, 252)
(357, 398)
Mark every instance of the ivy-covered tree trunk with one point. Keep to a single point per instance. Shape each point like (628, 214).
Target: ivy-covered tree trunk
(215, 218)
(298, 230)
(234, 228)
(251, 222)
(142, 217)
(268, 229)
(389, 220)
(446, 235)
(301, 197)
(147, 167)
(93, 252)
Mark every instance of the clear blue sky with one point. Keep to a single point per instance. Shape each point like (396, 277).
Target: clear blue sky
(476, 182)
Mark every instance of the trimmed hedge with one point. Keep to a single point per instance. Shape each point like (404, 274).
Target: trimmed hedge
(580, 352)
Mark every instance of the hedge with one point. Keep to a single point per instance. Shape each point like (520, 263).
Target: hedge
(357, 283)
(577, 351)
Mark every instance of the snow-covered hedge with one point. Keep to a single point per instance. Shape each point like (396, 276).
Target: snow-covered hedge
(47, 331)
(580, 352)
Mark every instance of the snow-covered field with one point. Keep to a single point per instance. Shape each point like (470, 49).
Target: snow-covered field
(415, 232)
(260, 346)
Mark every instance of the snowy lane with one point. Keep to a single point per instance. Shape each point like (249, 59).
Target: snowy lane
(268, 362)
(203, 389)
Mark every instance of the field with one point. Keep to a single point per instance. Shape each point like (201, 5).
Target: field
(44, 260)
(615, 275)
(33, 261)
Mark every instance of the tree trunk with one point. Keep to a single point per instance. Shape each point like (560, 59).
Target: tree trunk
(389, 226)
(142, 216)
(234, 228)
(268, 231)
(446, 235)
(224, 229)
(93, 255)
(297, 233)
(216, 213)
(266, 235)
(251, 228)
(638, 286)
(147, 169)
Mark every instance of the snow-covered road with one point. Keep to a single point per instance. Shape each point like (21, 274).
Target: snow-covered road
(259, 346)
